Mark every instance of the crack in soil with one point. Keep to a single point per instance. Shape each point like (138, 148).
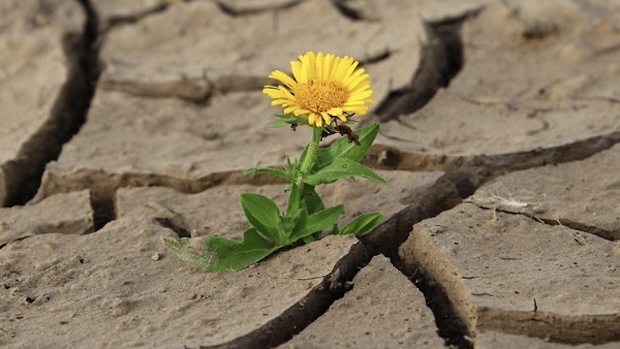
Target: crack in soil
(292, 321)
(442, 196)
(562, 222)
(104, 210)
(67, 116)
(118, 20)
(479, 169)
(441, 59)
(591, 329)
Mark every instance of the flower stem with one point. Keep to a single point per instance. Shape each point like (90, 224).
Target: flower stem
(306, 165)
(297, 187)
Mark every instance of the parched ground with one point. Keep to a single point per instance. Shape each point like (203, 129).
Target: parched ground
(126, 122)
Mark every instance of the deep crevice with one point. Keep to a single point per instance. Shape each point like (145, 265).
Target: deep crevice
(445, 194)
(450, 326)
(474, 170)
(295, 319)
(422, 204)
(104, 209)
(67, 116)
(441, 59)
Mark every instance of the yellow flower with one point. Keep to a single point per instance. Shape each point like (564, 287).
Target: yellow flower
(322, 86)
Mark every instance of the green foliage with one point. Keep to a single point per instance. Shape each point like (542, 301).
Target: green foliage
(288, 119)
(361, 224)
(218, 254)
(343, 148)
(310, 224)
(305, 216)
(263, 214)
(341, 168)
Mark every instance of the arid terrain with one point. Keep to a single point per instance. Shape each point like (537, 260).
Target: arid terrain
(125, 122)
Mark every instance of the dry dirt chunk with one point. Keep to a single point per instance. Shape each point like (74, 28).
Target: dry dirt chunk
(493, 340)
(534, 78)
(582, 195)
(63, 213)
(105, 290)
(31, 78)
(511, 273)
(383, 310)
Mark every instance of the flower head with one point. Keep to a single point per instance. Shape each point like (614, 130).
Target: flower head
(323, 86)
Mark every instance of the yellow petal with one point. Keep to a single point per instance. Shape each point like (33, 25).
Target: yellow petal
(318, 121)
(320, 60)
(285, 79)
(298, 72)
(327, 66)
(311, 119)
(326, 117)
(351, 67)
(342, 117)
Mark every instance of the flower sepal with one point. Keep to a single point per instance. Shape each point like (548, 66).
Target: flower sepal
(288, 119)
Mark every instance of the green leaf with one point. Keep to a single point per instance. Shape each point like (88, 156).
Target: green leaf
(262, 213)
(341, 168)
(316, 222)
(268, 170)
(218, 254)
(342, 148)
(361, 224)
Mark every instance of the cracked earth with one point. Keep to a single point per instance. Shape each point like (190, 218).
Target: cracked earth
(126, 122)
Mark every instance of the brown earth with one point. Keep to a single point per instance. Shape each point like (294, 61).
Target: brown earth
(126, 122)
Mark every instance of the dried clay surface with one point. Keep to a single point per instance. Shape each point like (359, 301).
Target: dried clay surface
(125, 123)
(509, 259)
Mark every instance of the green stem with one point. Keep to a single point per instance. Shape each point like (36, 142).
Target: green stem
(312, 147)
(296, 188)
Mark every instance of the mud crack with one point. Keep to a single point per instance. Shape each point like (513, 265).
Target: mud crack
(529, 210)
(292, 321)
(67, 116)
(441, 60)
(117, 20)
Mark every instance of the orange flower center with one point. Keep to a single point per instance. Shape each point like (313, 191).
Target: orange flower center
(321, 95)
